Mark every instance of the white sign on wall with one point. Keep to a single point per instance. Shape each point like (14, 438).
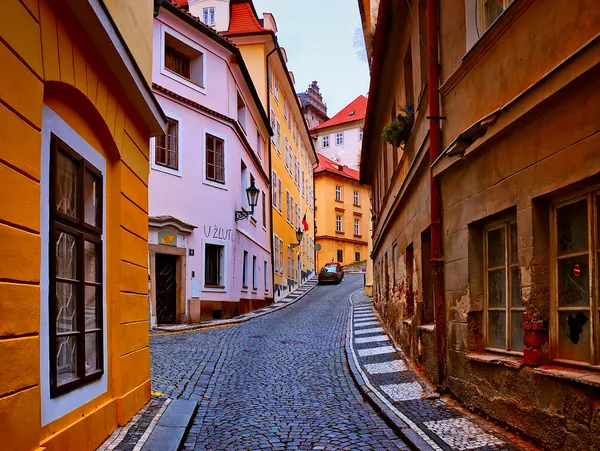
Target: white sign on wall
(195, 288)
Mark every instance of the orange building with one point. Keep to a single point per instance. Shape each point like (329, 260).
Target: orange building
(342, 212)
(77, 115)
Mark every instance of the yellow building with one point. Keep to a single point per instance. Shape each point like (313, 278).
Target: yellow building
(292, 152)
(77, 116)
(342, 208)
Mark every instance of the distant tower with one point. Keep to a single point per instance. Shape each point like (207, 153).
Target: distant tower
(313, 108)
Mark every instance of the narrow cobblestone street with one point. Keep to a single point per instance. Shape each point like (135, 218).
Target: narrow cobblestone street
(276, 382)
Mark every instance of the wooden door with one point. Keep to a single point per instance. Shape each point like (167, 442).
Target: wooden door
(166, 288)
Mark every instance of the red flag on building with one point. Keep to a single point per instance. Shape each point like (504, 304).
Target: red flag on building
(305, 223)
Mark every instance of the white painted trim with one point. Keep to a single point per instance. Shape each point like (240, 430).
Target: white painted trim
(223, 186)
(127, 60)
(158, 167)
(55, 408)
(172, 75)
(226, 256)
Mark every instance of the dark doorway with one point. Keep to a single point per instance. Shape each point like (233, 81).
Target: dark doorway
(166, 288)
(427, 278)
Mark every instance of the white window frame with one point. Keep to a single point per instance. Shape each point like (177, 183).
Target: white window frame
(206, 14)
(356, 199)
(157, 167)
(205, 181)
(339, 139)
(276, 88)
(55, 408)
(339, 220)
(338, 193)
(357, 226)
(325, 142)
(482, 27)
(360, 134)
(172, 75)
(224, 273)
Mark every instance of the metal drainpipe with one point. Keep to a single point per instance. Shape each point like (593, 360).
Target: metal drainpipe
(437, 259)
(271, 170)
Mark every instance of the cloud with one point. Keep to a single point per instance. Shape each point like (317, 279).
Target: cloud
(319, 38)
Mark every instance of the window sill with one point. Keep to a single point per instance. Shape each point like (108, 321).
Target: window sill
(339, 233)
(339, 201)
(583, 376)
(496, 359)
(339, 209)
(357, 236)
(217, 185)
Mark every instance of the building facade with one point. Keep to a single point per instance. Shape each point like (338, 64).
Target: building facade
(313, 108)
(340, 138)
(291, 149)
(342, 209)
(511, 328)
(206, 261)
(77, 116)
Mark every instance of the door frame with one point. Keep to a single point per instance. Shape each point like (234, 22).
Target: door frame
(180, 304)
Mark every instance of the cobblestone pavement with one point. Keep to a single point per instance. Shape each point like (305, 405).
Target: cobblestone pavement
(440, 425)
(277, 382)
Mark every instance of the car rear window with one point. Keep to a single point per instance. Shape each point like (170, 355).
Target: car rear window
(330, 268)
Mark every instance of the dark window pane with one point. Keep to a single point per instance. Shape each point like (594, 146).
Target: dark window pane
(572, 227)
(92, 273)
(517, 331)
(496, 248)
(66, 256)
(65, 307)
(497, 329)
(92, 352)
(515, 287)
(91, 308)
(66, 185)
(92, 190)
(497, 288)
(514, 258)
(573, 282)
(574, 335)
(66, 360)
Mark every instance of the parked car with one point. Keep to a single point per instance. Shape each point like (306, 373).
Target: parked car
(331, 272)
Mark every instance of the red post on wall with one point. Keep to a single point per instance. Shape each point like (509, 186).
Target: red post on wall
(435, 143)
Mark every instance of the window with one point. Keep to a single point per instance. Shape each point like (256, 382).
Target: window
(75, 278)
(288, 207)
(245, 270)
(213, 265)
(296, 171)
(576, 274)
(274, 189)
(340, 256)
(356, 226)
(266, 275)
(298, 218)
(338, 193)
(280, 255)
(183, 60)
(303, 184)
(241, 111)
(260, 145)
(286, 112)
(338, 223)
(264, 209)
(280, 194)
(339, 139)
(276, 88)
(208, 16)
(504, 311)
(360, 134)
(489, 11)
(276, 252)
(356, 256)
(254, 269)
(356, 198)
(408, 77)
(167, 146)
(215, 159)
(288, 156)
(276, 138)
(326, 141)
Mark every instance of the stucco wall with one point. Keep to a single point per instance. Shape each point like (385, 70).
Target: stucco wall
(347, 153)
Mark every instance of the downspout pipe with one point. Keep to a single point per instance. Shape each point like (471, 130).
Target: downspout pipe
(435, 146)
(271, 170)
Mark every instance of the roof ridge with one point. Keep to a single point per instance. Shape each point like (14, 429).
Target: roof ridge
(355, 111)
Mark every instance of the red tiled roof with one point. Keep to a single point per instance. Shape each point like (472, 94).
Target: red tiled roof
(327, 165)
(243, 20)
(181, 3)
(358, 105)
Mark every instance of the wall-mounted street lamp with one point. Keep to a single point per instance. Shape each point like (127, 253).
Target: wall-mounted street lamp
(252, 192)
(299, 235)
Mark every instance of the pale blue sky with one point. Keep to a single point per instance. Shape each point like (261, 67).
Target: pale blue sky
(318, 36)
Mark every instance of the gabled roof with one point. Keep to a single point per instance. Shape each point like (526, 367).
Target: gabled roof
(354, 111)
(243, 19)
(327, 165)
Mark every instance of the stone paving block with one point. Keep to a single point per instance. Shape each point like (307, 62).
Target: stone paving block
(372, 339)
(178, 414)
(376, 351)
(461, 434)
(386, 367)
(403, 392)
(369, 330)
(164, 438)
(365, 323)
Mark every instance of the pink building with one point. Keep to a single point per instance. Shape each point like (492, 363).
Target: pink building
(205, 263)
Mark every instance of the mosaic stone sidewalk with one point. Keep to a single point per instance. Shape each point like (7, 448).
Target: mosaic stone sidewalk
(438, 425)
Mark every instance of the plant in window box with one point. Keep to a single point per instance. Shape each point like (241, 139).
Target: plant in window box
(398, 130)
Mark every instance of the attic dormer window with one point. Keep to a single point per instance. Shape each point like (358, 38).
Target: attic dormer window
(351, 113)
(208, 16)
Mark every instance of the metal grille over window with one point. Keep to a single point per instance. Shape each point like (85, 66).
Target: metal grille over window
(75, 270)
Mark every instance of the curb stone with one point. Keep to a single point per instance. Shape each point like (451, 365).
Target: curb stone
(281, 304)
(172, 427)
(372, 395)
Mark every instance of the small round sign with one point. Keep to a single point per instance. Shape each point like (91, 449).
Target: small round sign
(576, 270)
(318, 247)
